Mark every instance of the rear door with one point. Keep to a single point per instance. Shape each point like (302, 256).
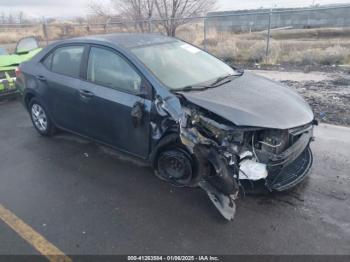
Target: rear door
(62, 79)
(115, 84)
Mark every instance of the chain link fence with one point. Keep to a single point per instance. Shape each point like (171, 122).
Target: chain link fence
(302, 36)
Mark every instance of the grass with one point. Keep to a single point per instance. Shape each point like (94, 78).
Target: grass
(326, 46)
(309, 49)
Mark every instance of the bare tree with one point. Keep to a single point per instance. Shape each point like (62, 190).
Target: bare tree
(80, 20)
(173, 13)
(102, 10)
(137, 10)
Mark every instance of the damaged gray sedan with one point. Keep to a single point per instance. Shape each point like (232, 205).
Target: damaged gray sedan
(198, 121)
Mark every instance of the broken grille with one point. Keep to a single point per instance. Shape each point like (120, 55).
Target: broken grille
(292, 174)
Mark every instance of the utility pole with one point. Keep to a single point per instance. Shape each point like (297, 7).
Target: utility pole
(205, 34)
(45, 31)
(268, 37)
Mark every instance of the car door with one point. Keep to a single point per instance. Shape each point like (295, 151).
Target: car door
(116, 112)
(62, 81)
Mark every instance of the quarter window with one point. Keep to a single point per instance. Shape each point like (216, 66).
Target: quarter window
(47, 61)
(67, 60)
(111, 70)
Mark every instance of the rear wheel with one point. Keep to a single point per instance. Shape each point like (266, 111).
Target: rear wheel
(40, 118)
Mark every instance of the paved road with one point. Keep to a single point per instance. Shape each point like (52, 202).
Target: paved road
(86, 199)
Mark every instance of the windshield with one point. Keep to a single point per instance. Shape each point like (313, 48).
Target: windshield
(179, 65)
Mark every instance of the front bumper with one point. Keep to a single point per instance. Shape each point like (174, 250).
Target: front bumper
(289, 168)
(288, 176)
(285, 169)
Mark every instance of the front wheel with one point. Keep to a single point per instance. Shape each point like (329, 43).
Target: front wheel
(41, 119)
(175, 165)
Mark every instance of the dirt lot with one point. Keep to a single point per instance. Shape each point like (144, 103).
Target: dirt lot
(327, 92)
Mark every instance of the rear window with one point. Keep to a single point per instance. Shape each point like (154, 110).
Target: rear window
(67, 60)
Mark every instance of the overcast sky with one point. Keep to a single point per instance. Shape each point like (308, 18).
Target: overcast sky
(69, 8)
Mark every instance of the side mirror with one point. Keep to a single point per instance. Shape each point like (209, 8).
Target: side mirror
(27, 44)
(145, 90)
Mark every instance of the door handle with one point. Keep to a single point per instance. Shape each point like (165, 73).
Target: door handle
(86, 93)
(41, 78)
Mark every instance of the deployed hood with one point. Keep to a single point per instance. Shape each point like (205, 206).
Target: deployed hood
(255, 101)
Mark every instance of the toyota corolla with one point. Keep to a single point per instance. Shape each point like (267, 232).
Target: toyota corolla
(198, 121)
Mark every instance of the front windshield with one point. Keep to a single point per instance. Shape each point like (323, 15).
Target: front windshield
(179, 65)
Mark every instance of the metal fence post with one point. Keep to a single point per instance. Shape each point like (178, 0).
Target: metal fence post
(205, 34)
(150, 25)
(268, 38)
(45, 31)
(106, 25)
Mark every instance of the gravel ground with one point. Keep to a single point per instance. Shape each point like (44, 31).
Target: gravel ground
(328, 93)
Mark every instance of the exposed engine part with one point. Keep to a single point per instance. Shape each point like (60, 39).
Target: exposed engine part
(273, 141)
(270, 145)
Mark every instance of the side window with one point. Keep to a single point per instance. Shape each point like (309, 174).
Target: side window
(67, 60)
(47, 61)
(109, 69)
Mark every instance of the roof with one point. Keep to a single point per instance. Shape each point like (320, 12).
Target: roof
(130, 40)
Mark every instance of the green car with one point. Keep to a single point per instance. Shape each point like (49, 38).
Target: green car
(26, 48)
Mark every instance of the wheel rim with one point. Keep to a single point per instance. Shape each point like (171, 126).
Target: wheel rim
(175, 167)
(39, 117)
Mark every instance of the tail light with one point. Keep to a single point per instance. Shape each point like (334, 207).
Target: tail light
(18, 71)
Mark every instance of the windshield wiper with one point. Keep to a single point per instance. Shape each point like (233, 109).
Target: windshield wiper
(193, 88)
(218, 82)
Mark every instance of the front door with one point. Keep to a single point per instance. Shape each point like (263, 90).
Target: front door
(113, 87)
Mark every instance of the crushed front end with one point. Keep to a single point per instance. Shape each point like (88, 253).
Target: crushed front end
(230, 158)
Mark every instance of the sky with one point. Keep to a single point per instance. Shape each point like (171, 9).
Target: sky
(71, 8)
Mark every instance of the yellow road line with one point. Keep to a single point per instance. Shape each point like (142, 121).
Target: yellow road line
(32, 237)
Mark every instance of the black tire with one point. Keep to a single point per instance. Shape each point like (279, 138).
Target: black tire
(170, 146)
(175, 165)
(40, 118)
